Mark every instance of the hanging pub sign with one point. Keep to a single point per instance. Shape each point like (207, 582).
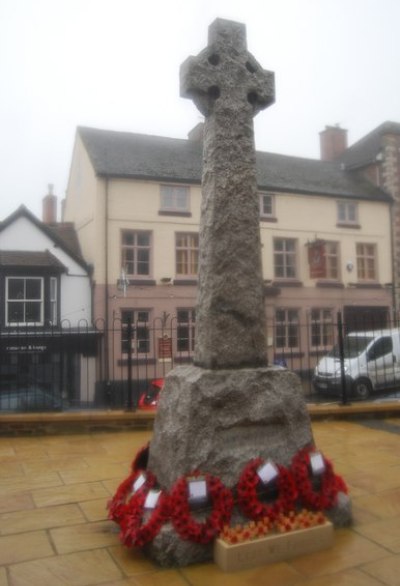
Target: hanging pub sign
(317, 259)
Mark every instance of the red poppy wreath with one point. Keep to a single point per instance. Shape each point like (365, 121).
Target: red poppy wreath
(117, 505)
(248, 492)
(325, 497)
(138, 525)
(183, 519)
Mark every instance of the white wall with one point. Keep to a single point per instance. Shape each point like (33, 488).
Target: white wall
(24, 235)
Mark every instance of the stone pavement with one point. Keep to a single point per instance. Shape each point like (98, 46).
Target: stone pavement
(54, 531)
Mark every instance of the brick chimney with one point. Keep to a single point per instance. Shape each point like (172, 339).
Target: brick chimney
(333, 142)
(49, 207)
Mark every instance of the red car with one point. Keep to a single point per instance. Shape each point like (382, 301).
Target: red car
(148, 400)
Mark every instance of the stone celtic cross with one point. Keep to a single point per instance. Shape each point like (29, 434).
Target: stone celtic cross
(229, 87)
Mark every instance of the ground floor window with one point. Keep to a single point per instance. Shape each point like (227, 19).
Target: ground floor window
(287, 334)
(185, 330)
(139, 335)
(321, 328)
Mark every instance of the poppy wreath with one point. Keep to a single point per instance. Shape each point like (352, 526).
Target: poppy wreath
(182, 518)
(139, 526)
(331, 484)
(248, 497)
(119, 502)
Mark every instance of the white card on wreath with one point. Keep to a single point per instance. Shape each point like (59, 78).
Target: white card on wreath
(317, 463)
(140, 480)
(197, 490)
(267, 472)
(152, 499)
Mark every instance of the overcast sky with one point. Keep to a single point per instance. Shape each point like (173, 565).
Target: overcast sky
(114, 64)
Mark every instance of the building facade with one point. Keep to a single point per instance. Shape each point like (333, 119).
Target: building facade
(135, 203)
(48, 346)
(377, 158)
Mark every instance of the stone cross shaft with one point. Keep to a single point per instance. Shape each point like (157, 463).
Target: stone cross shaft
(229, 87)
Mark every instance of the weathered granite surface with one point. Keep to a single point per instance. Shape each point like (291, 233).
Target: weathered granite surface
(218, 420)
(228, 408)
(229, 87)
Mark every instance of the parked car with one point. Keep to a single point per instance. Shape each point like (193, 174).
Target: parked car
(32, 398)
(371, 363)
(148, 401)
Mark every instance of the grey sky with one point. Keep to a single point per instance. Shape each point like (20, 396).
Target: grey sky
(114, 64)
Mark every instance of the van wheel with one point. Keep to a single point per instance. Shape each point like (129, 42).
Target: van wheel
(362, 388)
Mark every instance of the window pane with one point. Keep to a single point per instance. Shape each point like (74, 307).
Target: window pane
(182, 338)
(32, 312)
(16, 289)
(143, 261)
(16, 312)
(143, 239)
(33, 288)
(128, 238)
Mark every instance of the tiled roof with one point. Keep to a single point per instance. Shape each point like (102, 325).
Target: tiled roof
(18, 258)
(66, 232)
(63, 234)
(365, 151)
(139, 156)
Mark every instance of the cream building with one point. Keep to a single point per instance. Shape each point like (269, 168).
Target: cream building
(135, 202)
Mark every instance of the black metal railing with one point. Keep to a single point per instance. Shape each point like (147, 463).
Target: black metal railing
(92, 366)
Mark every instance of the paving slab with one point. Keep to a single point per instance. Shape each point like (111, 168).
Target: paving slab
(54, 528)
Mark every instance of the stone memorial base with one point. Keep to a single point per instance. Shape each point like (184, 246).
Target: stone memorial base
(216, 421)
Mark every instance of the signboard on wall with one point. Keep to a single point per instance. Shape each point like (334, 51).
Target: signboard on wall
(165, 348)
(317, 259)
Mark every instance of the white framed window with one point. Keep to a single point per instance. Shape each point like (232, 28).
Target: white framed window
(24, 301)
(267, 205)
(366, 262)
(285, 258)
(140, 331)
(53, 301)
(187, 254)
(321, 327)
(175, 199)
(347, 212)
(186, 320)
(136, 252)
(287, 329)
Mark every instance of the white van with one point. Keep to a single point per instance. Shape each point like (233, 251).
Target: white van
(371, 362)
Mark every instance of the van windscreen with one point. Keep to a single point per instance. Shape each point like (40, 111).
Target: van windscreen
(352, 346)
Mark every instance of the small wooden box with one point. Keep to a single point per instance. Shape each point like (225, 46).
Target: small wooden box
(276, 547)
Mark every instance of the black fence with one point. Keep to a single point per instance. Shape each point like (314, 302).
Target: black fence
(92, 366)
